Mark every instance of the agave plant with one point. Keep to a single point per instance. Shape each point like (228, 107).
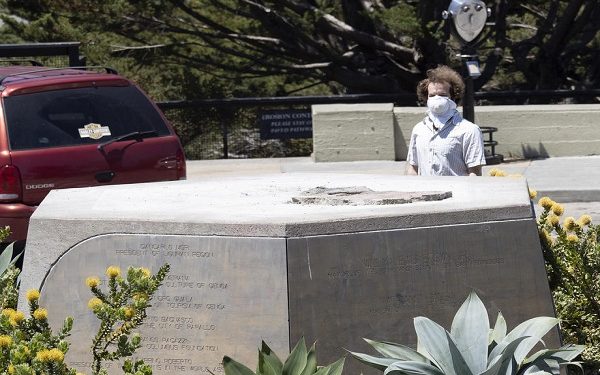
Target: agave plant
(472, 348)
(299, 362)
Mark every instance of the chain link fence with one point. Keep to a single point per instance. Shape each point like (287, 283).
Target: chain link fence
(217, 133)
(51, 61)
(231, 128)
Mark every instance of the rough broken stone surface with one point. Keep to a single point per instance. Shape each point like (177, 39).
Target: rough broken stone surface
(362, 195)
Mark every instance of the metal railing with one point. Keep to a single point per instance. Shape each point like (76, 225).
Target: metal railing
(538, 94)
(68, 49)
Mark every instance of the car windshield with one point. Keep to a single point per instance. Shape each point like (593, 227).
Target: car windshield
(79, 116)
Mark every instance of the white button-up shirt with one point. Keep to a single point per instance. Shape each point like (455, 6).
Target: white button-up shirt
(449, 151)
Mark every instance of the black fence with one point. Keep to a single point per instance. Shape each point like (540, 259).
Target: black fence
(254, 127)
(49, 54)
(232, 132)
(276, 127)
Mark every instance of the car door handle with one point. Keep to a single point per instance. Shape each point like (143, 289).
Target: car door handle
(105, 176)
(168, 163)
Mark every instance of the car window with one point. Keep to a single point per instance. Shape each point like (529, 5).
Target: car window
(78, 116)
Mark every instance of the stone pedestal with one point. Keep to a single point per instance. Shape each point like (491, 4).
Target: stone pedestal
(250, 261)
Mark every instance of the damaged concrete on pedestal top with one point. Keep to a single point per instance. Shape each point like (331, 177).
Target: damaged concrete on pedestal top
(264, 205)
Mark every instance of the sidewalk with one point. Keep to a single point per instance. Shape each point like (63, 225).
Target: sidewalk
(572, 181)
(564, 179)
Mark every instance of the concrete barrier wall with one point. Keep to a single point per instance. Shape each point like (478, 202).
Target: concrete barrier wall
(524, 131)
(349, 132)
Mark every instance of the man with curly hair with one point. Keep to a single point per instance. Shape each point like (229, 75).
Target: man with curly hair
(444, 144)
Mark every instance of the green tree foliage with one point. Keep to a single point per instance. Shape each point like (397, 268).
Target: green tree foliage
(549, 44)
(257, 47)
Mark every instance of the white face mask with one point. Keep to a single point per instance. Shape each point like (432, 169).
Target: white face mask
(440, 105)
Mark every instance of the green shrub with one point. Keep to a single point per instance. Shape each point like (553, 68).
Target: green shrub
(471, 348)
(299, 362)
(9, 294)
(572, 252)
(9, 274)
(4, 233)
(572, 255)
(28, 346)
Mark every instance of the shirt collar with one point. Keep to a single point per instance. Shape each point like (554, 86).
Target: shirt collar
(433, 125)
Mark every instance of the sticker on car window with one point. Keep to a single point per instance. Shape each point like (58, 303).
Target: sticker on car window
(94, 131)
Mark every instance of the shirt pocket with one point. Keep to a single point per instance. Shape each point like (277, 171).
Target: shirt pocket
(449, 146)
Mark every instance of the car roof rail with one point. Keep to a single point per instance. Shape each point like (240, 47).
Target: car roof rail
(32, 62)
(107, 69)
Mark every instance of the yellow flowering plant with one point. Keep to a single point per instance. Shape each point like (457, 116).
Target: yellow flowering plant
(28, 345)
(572, 254)
(121, 309)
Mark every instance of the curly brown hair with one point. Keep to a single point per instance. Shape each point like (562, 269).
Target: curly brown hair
(442, 74)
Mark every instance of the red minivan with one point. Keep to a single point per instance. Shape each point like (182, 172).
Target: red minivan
(71, 127)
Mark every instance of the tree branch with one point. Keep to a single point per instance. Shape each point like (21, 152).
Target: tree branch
(539, 14)
(346, 31)
(275, 21)
(566, 20)
(207, 21)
